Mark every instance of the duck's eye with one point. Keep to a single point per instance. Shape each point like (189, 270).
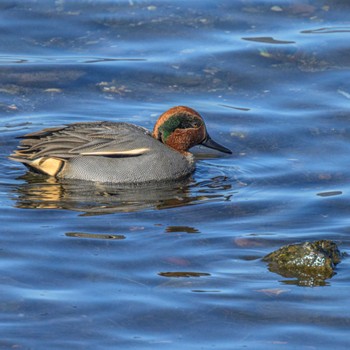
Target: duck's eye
(197, 123)
(190, 123)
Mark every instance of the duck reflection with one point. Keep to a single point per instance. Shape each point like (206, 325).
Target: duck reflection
(38, 191)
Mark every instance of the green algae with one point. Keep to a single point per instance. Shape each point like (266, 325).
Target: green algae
(311, 263)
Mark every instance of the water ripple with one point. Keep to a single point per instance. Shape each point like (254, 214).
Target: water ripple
(271, 79)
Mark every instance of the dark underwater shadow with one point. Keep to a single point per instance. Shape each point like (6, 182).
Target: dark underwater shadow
(38, 191)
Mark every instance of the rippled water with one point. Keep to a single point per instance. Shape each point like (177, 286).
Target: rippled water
(86, 266)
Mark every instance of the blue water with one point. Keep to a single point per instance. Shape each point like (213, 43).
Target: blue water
(96, 267)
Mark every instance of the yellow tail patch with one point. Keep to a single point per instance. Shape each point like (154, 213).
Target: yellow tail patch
(49, 166)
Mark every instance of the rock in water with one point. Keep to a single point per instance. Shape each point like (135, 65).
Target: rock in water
(310, 262)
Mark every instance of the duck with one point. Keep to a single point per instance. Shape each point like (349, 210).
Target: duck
(118, 152)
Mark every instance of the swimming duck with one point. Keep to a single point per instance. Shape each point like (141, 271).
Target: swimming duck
(118, 152)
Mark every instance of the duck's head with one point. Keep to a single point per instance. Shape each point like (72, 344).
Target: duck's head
(182, 128)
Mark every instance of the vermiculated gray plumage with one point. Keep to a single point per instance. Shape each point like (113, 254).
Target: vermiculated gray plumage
(104, 152)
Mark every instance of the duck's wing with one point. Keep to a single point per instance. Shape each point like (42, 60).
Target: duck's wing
(47, 150)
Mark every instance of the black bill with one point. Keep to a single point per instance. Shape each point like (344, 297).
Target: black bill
(210, 143)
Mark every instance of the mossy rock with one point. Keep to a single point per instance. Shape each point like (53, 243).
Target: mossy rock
(309, 262)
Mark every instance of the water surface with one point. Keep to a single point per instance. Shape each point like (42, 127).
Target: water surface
(86, 266)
